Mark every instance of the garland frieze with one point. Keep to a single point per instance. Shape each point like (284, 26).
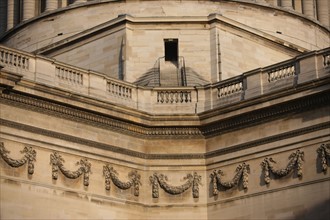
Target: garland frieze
(29, 158)
(296, 159)
(111, 174)
(57, 161)
(193, 180)
(324, 154)
(241, 174)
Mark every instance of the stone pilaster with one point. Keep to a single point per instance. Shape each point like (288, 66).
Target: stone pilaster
(308, 8)
(323, 8)
(64, 3)
(3, 16)
(29, 9)
(51, 5)
(80, 1)
(10, 14)
(287, 4)
(298, 6)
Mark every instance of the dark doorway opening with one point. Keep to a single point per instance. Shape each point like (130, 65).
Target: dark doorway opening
(171, 50)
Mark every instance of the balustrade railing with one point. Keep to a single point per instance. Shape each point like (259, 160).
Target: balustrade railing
(12, 58)
(69, 75)
(230, 88)
(166, 99)
(281, 72)
(119, 90)
(173, 96)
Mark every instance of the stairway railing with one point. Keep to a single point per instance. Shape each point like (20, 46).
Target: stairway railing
(182, 68)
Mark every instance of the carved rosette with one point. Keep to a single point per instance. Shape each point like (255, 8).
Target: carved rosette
(57, 161)
(111, 174)
(241, 173)
(324, 154)
(193, 180)
(29, 158)
(296, 159)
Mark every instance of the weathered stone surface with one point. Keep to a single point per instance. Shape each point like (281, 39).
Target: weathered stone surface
(84, 135)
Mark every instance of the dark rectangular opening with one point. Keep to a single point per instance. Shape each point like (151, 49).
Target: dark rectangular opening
(171, 49)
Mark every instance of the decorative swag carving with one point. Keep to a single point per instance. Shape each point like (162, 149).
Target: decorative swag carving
(324, 154)
(193, 180)
(296, 159)
(110, 173)
(241, 173)
(29, 158)
(57, 162)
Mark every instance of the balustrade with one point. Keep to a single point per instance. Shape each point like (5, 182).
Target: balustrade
(231, 88)
(175, 96)
(69, 75)
(281, 73)
(118, 89)
(246, 86)
(12, 58)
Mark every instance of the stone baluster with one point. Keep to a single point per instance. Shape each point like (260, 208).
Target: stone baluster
(10, 14)
(51, 5)
(28, 9)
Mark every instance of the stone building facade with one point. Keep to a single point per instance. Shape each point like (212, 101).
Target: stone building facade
(173, 109)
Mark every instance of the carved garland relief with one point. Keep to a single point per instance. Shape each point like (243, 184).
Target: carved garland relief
(111, 174)
(160, 180)
(193, 180)
(296, 159)
(324, 154)
(241, 173)
(29, 158)
(56, 161)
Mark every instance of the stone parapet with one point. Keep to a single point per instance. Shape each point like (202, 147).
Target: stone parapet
(161, 100)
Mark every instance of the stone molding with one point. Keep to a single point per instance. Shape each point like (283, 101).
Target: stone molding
(265, 114)
(98, 119)
(179, 132)
(141, 155)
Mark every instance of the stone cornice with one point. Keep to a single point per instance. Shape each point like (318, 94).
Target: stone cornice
(266, 114)
(98, 119)
(148, 156)
(218, 126)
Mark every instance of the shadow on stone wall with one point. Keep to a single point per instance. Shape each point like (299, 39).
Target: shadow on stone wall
(318, 212)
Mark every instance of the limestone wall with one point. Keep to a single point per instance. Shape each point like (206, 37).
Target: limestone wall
(40, 196)
(285, 116)
(104, 54)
